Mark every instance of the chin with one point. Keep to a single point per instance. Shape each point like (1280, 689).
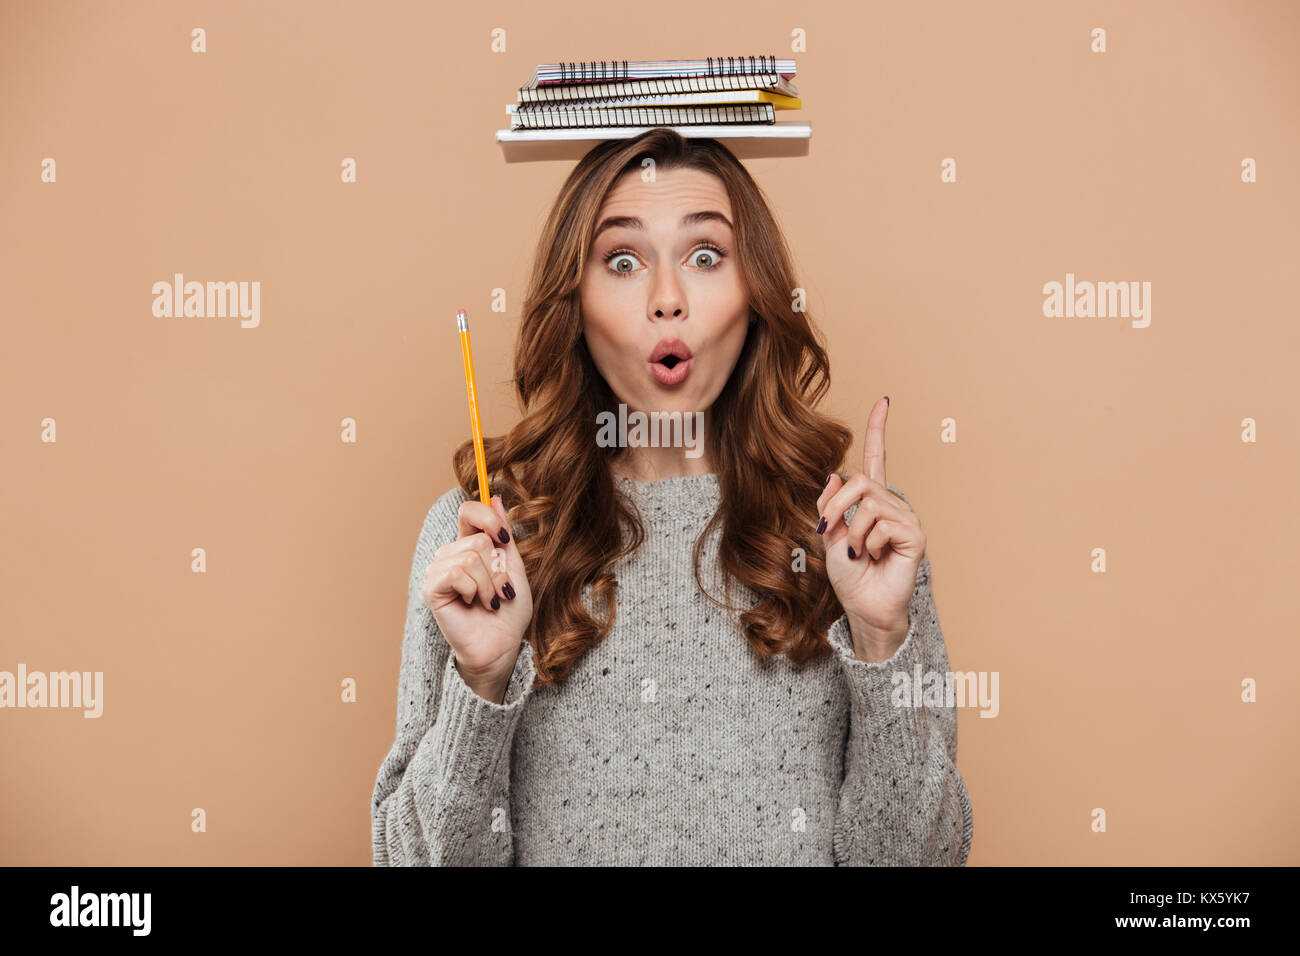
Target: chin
(670, 403)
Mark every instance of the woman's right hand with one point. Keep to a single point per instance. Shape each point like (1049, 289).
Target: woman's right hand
(459, 587)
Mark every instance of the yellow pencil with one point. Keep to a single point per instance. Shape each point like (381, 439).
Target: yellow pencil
(462, 323)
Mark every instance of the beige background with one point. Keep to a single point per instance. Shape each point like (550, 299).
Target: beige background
(1119, 691)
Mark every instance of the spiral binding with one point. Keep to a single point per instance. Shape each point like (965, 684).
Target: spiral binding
(651, 87)
(599, 118)
(594, 71)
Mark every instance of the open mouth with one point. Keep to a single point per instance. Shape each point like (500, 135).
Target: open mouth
(671, 361)
(670, 351)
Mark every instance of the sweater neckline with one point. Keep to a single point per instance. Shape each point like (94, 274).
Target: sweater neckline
(693, 496)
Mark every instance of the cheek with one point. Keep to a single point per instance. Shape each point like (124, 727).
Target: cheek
(720, 292)
(731, 339)
(597, 317)
(604, 298)
(607, 340)
(608, 304)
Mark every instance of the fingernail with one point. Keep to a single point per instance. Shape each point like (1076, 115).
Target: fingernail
(828, 479)
(504, 536)
(886, 399)
(851, 554)
(508, 591)
(821, 526)
(496, 602)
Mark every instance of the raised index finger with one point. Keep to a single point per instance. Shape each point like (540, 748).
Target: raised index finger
(873, 450)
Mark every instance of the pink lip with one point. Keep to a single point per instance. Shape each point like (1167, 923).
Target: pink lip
(670, 376)
(668, 347)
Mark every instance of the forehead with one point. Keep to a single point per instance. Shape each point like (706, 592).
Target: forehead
(673, 193)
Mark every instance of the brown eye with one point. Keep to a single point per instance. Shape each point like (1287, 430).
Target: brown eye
(707, 258)
(623, 263)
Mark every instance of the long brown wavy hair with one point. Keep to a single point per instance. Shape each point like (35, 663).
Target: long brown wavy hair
(571, 522)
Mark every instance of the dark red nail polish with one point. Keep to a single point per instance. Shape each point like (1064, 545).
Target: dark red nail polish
(828, 479)
(509, 591)
(504, 536)
(851, 554)
(886, 399)
(496, 602)
(821, 526)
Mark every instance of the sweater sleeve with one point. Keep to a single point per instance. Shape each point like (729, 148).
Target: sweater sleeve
(902, 801)
(441, 796)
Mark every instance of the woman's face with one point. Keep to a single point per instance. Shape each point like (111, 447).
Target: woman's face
(662, 267)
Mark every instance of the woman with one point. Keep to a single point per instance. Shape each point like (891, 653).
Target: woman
(572, 691)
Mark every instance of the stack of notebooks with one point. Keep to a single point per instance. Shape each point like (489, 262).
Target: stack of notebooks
(717, 97)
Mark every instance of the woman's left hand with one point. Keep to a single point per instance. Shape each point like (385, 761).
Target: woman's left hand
(872, 562)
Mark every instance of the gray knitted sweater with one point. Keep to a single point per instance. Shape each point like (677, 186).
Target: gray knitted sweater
(671, 742)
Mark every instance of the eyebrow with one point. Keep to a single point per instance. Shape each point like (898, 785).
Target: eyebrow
(632, 222)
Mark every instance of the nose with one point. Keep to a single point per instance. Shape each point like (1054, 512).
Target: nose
(667, 297)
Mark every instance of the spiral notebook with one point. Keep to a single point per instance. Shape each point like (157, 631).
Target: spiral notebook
(602, 99)
(605, 70)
